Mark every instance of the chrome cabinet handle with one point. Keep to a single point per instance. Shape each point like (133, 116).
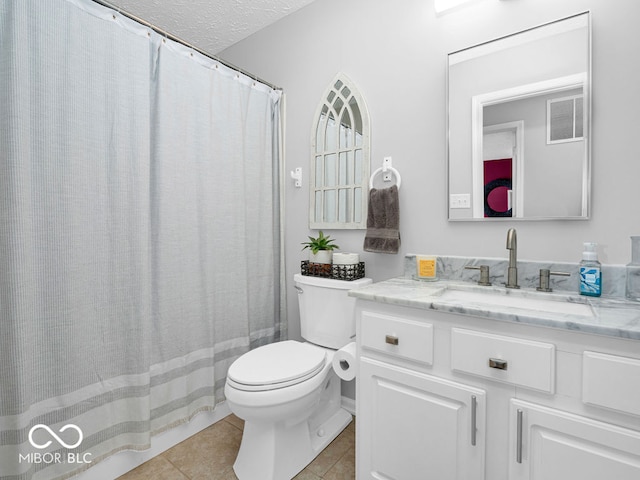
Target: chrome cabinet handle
(519, 436)
(498, 363)
(391, 339)
(474, 407)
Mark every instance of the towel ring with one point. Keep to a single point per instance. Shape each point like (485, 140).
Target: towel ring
(386, 169)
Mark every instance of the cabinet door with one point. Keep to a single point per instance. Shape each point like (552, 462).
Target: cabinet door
(415, 426)
(549, 444)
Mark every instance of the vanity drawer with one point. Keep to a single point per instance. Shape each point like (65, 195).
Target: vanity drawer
(397, 336)
(506, 359)
(611, 381)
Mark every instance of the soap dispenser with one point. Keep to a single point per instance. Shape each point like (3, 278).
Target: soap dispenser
(590, 271)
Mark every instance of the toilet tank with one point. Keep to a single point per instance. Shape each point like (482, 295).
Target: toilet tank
(327, 313)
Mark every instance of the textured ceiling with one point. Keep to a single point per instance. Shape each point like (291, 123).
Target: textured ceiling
(210, 25)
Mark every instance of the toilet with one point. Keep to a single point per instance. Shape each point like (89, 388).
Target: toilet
(287, 392)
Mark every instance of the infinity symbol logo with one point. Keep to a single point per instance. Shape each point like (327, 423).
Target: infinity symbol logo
(53, 434)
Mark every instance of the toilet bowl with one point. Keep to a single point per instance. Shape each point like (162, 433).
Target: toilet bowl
(286, 427)
(287, 392)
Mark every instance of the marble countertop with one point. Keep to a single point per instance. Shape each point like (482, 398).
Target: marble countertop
(613, 317)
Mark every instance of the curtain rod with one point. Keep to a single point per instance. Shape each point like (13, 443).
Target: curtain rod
(186, 44)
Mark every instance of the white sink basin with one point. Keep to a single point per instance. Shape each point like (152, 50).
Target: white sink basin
(530, 301)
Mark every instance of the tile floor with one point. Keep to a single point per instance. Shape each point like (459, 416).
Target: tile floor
(209, 455)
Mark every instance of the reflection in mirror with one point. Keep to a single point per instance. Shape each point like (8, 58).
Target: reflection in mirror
(340, 159)
(519, 125)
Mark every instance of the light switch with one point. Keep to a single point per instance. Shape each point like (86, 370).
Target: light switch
(460, 200)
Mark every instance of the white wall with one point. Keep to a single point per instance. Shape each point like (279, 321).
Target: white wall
(396, 52)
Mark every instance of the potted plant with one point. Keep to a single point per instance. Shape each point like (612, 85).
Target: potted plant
(321, 248)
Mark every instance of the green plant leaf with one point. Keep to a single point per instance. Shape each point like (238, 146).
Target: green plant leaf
(321, 242)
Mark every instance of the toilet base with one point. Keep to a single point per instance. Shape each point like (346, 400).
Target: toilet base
(279, 452)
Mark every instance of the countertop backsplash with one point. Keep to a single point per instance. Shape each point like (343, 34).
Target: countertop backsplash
(452, 268)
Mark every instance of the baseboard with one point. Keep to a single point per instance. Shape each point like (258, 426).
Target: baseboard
(122, 462)
(349, 404)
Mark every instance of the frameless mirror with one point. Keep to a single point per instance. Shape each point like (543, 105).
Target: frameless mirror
(519, 123)
(339, 158)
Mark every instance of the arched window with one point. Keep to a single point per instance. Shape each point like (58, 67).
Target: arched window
(340, 158)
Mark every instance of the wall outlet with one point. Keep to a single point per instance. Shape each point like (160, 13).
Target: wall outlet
(460, 200)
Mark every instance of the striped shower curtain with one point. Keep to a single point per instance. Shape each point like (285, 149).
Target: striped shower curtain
(137, 180)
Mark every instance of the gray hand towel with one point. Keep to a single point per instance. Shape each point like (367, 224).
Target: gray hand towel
(383, 221)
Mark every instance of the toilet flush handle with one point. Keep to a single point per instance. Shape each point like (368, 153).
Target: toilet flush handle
(300, 291)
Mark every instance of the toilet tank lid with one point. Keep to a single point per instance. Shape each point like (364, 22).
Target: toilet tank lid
(331, 282)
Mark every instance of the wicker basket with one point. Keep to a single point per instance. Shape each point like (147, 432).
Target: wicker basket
(335, 271)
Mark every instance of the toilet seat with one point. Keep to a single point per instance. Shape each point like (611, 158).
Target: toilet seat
(276, 365)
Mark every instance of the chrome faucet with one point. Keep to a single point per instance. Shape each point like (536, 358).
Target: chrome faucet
(512, 271)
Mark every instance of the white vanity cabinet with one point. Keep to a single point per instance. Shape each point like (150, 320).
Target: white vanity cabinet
(551, 444)
(446, 396)
(417, 426)
(412, 425)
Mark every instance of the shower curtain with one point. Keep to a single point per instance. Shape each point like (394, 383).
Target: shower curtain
(140, 237)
